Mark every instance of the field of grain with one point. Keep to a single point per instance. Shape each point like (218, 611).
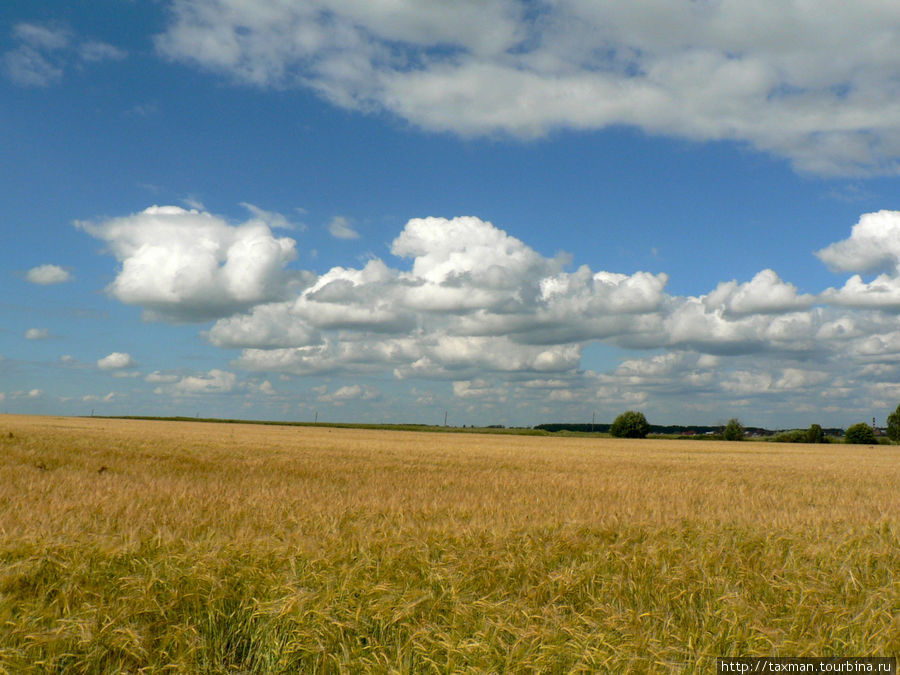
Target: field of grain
(191, 547)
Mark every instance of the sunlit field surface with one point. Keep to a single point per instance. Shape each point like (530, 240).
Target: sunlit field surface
(193, 547)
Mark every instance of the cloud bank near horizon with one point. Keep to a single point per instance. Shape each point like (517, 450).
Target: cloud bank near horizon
(468, 303)
(818, 88)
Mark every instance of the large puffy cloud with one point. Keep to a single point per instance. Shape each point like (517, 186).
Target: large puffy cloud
(193, 266)
(763, 72)
(267, 326)
(474, 299)
(464, 264)
(764, 294)
(883, 292)
(873, 245)
(443, 250)
(350, 299)
(691, 324)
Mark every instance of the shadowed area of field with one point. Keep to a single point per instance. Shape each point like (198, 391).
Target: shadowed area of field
(210, 547)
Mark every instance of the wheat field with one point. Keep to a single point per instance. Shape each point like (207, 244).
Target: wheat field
(150, 546)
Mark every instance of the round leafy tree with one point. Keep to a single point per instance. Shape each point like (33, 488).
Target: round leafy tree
(893, 425)
(815, 434)
(861, 434)
(631, 424)
(734, 430)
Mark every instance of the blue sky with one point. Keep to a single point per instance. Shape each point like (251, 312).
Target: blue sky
(513, 212)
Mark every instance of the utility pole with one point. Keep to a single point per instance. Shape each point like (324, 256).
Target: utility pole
(593, 419)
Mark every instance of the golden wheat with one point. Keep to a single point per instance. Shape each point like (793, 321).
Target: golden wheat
(192, 547)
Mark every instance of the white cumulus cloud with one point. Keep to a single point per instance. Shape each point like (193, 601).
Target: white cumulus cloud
(873, 245)
(115, 361)
(193, 266)
(37, 334)
(765, 293)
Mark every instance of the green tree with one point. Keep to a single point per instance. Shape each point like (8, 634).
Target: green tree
(860, 434)
(815, 434)
(631, 424)
(893, 425)
(734, 430)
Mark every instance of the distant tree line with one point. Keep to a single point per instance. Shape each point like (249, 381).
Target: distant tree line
(629, 426)
(575, 426)
(667, 429)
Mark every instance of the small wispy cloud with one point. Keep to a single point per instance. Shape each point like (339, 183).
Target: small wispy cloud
(92, 397)
(30, 394)
(194, 202)
(93, 51)
(342, 228)
(42, 37)
(353, 392)
(48, 274)
(158, 377)
(29, 68)
(214, 382)
(273, 218)
(43, 52)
